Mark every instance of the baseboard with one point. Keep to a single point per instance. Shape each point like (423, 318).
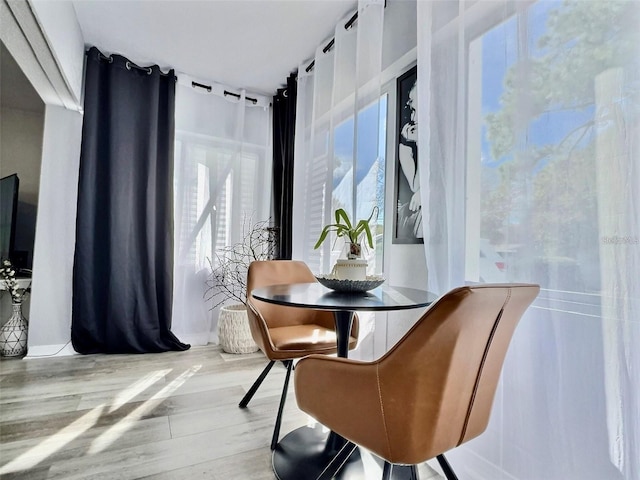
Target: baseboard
(41, 351)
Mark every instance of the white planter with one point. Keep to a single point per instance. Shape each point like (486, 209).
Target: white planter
(233, 330)
(355, 269)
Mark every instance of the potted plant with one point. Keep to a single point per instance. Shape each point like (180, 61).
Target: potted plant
(344, 228)
(227, 284)
(353, 267)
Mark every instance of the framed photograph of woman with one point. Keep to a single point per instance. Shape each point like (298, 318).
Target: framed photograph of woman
(407, 222)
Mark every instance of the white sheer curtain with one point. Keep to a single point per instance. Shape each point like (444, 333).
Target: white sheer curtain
(339, 154)
(222, 181)
(529, 112)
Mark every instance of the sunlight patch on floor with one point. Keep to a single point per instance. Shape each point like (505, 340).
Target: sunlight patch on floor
(134, 390)
(52, 444)
(57, 441)
(117, 430)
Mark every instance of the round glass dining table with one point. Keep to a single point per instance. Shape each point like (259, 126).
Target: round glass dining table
(313, 453)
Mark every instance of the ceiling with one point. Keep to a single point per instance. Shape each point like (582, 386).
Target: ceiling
(250, 44)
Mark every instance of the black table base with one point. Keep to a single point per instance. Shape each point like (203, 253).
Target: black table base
(313, 454)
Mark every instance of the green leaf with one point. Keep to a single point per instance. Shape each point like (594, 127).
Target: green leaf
(334, 227)
(343, 227)
(340, 213)
(363, 227)
(323, 235)
(374, 211)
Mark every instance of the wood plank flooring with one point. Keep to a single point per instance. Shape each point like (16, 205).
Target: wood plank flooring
(166, 416)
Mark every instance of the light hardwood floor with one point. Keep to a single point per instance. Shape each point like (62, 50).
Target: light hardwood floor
(166, 416)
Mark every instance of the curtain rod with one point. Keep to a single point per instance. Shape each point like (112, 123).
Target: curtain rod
(329, 45)
(129, 64)
(208, 88)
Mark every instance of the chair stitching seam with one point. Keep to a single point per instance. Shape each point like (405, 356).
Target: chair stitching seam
(384, 420)
(481, 368)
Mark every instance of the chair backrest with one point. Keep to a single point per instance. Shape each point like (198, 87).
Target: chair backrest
(438, 382)
(280, 272)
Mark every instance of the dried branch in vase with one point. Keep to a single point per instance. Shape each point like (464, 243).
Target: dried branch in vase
(227, 279)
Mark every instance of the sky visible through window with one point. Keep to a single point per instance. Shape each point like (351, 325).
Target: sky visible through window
(538, 131)
(368, 152)
(500, 51)
(371, 124)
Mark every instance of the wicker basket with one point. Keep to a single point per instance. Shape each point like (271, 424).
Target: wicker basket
(233, 330)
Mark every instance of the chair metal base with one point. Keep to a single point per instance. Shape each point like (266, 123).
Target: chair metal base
(283, 399)
(446, 468)
(254, 388)
(249, 395)
(313, 454)
(410, 471)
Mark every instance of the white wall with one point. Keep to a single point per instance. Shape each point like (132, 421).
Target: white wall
(50, 321)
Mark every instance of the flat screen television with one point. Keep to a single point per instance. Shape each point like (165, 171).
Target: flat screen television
(8, 209)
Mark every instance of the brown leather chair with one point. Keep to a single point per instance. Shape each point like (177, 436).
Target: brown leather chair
(430, 392)
(287, 333)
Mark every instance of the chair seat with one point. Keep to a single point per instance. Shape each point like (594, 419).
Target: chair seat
(305, 339)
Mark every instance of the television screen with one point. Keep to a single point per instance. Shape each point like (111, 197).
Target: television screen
(8, 208)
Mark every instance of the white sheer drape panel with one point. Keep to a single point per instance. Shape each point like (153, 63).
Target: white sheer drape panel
(439, 72)
(333, 137)
(339, 156)
(303, 195)
(530, 111)
(222, 181)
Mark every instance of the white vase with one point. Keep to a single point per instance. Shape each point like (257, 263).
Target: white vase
(234, 333)
(13, 335)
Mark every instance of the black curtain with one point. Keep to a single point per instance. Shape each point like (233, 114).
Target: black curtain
(123, 264)
(284, 124)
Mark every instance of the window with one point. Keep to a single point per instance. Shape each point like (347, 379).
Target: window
(365, 189)
(533, 137)
(551, 186)
(217, 198)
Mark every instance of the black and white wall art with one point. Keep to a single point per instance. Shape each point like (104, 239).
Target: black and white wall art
(407, 222)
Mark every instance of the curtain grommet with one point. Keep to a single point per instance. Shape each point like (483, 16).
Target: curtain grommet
(130, 65)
